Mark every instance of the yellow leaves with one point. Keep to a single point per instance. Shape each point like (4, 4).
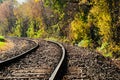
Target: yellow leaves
(37, 0)
(106, 17)
(113, 47)
(103, 23)
(39, 33)
(102, 19)
(75, 28)
(84, 43)
(95, 10)
(78, 29)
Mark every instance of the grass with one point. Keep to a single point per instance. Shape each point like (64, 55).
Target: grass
(5, 44)
(2, 42)
(51, 38)
(2, 38)
(84, 43)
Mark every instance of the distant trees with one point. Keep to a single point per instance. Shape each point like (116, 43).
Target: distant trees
(93, 21)
(7, 18)
(30, 17)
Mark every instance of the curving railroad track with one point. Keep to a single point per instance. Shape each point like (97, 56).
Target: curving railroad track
(47, 60)
(21, 66)
(15, 56)
(60, 62)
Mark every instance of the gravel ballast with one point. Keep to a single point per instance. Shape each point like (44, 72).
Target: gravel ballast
(19, 46)
(37, 65)
(81, 64)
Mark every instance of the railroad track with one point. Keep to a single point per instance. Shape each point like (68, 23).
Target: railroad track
(60, 63)
(19, 55)
(54, 72)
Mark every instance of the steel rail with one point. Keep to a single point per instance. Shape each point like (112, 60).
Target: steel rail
(19, 55)
(53, 75)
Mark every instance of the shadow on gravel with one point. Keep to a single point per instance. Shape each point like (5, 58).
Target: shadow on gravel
(63, 69)
(15, 60)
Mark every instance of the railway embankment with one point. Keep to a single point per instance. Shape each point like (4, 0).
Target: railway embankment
(40, 63)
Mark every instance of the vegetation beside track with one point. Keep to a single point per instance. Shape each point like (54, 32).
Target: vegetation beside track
(94, 24)
(2, 41)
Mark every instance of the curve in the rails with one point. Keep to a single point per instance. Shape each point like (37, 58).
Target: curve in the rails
(53, 75)
(17, 56)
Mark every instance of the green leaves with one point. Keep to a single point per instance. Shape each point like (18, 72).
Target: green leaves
(84, 43)
(88, 23)
(30, 31)
(57, 5)
(2, 42)
(2, 38)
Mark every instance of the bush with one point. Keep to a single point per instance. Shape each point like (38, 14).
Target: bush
(2, 38)
(110, 49)
(2, 41)
(84, 43)
(79, 30)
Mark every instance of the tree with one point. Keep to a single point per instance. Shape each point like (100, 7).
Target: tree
(31, 31)
(17, 30)
(7, 19)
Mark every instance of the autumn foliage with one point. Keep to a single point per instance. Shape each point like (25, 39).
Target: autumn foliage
(86, 23)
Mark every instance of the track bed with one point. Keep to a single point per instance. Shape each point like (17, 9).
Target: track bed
(83, 64)
(19, 46)
(37, 65)
(78, 64)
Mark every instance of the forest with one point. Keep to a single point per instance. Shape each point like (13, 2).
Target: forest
(93, 24)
